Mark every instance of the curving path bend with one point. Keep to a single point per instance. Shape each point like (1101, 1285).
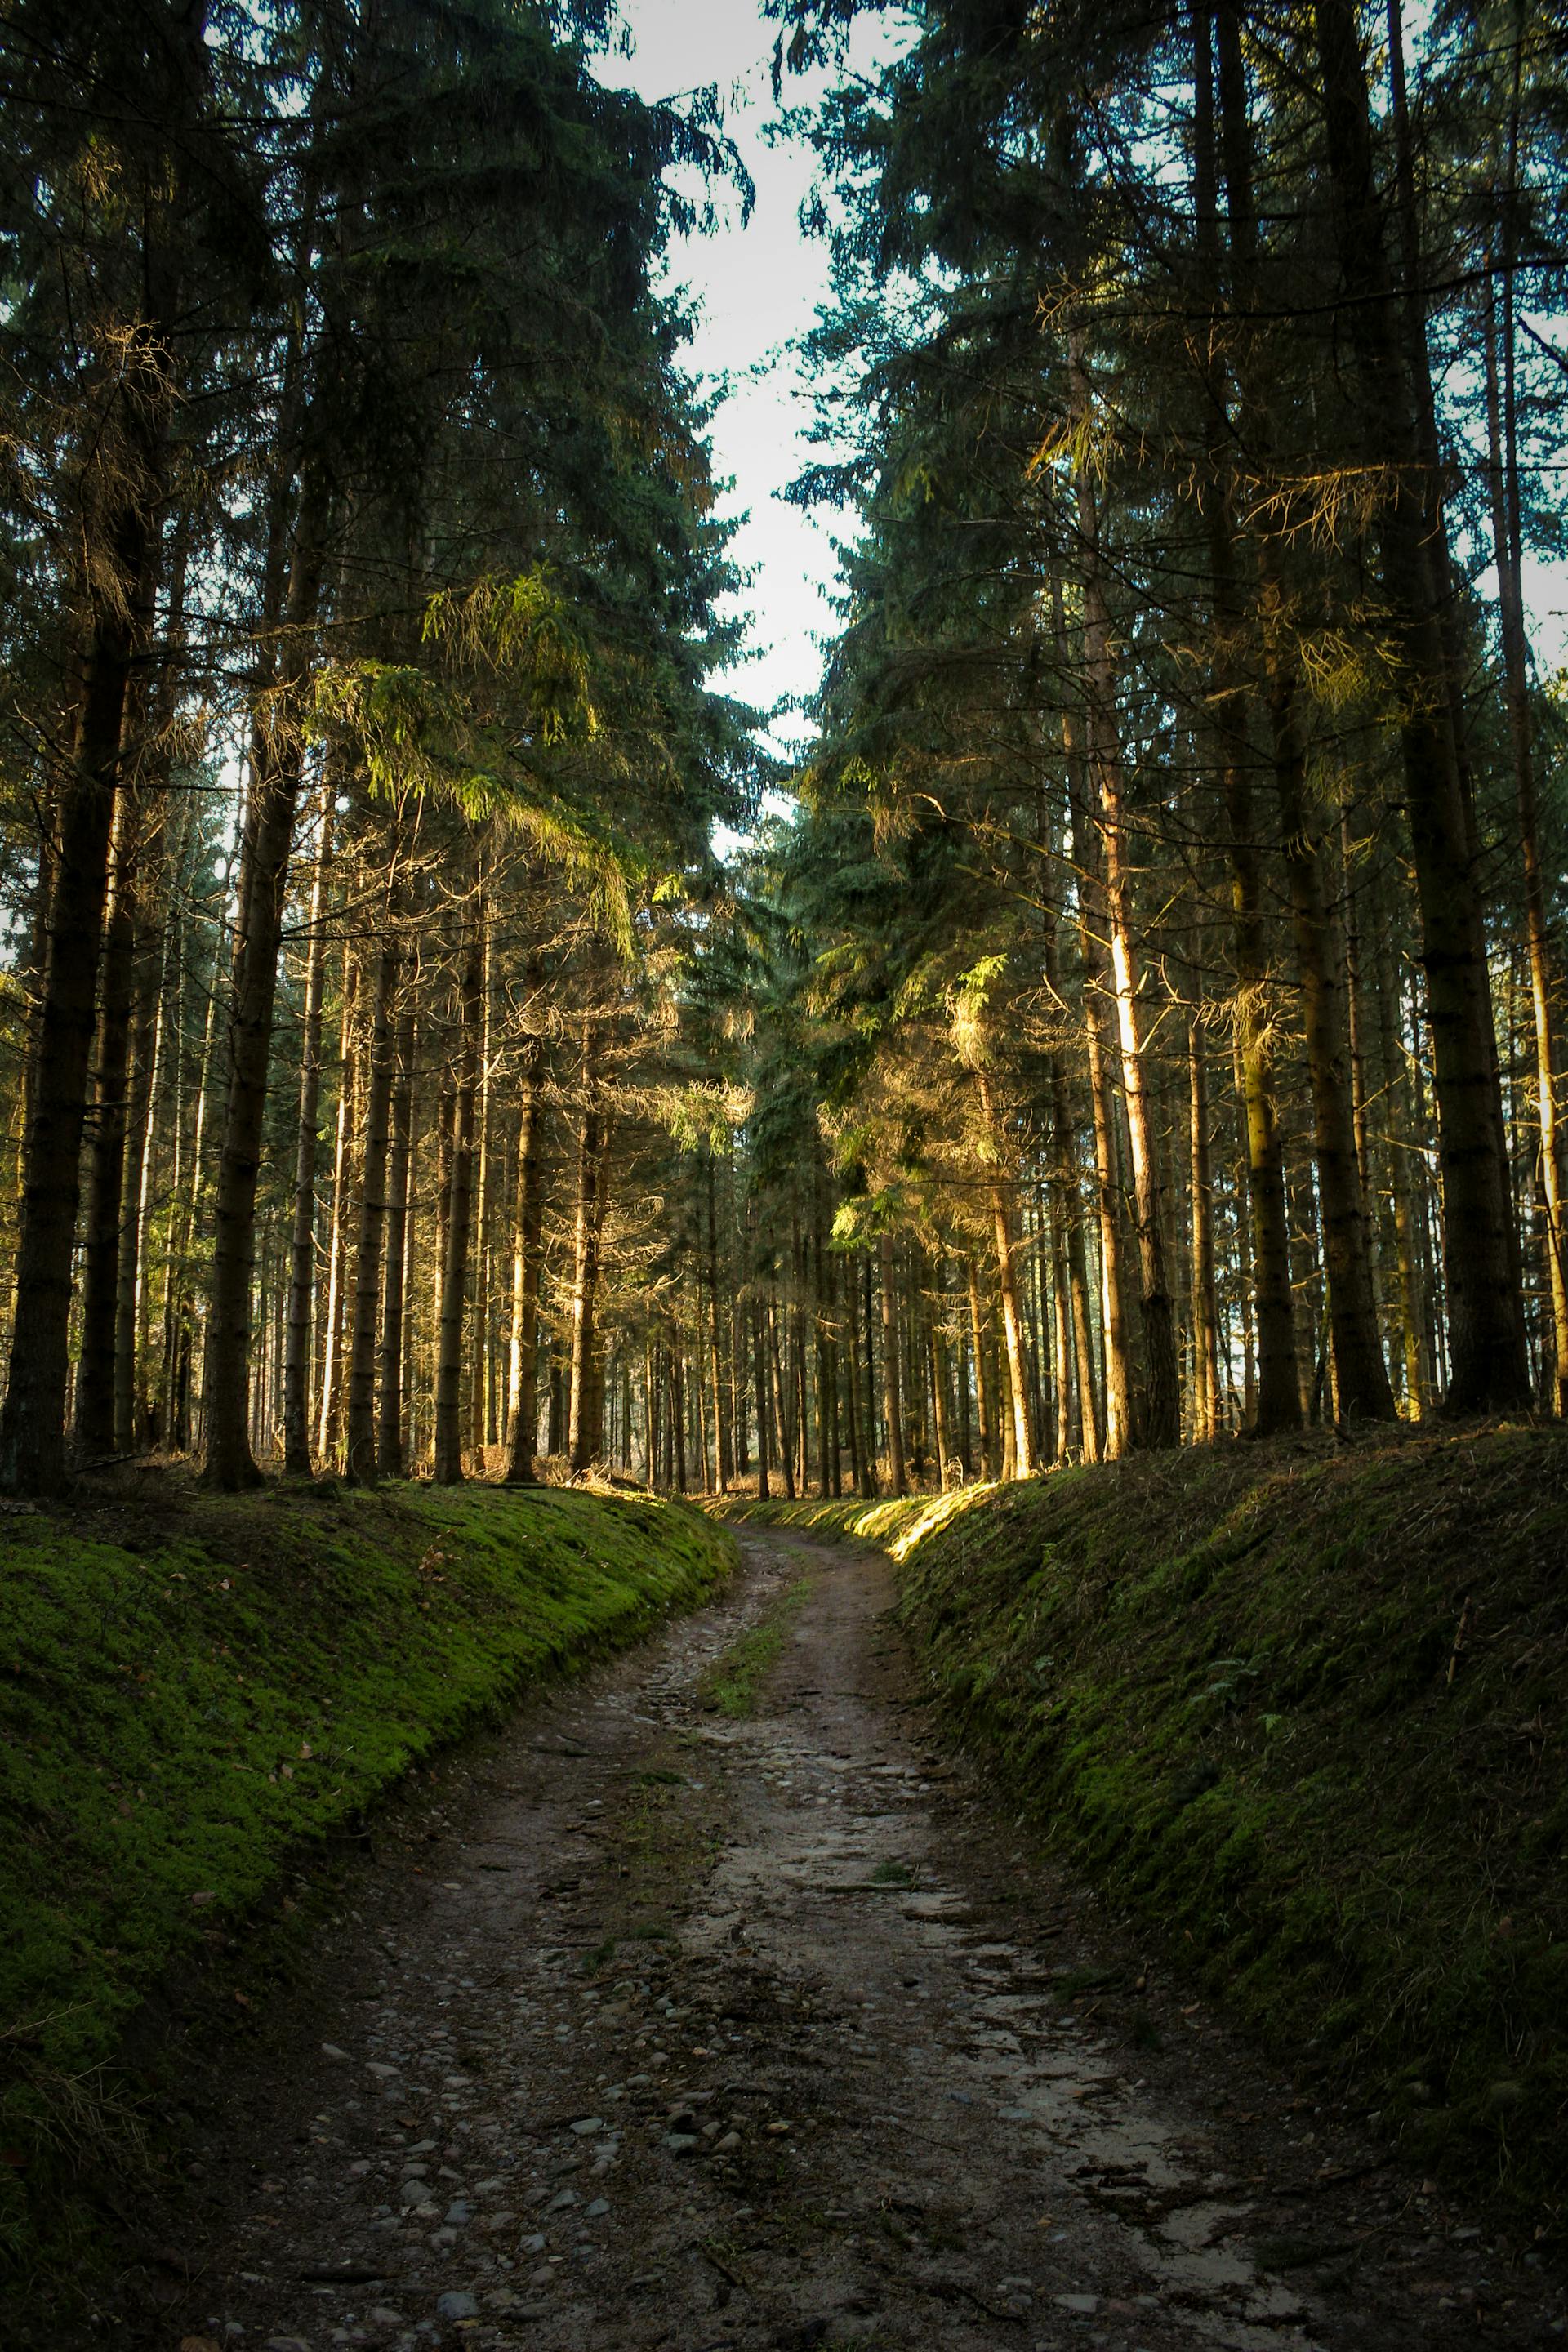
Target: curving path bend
(648, 2027)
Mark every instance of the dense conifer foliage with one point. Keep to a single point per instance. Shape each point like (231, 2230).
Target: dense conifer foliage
(1146, 1024)
(361, 756)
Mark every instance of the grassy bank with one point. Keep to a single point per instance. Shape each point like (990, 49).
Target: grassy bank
(1305, 1709)
(193, 1688)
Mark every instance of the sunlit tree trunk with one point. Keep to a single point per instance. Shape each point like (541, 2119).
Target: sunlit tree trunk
(1093, 927)
(892, 1401)
(1162, 1414)
(1206, 1319)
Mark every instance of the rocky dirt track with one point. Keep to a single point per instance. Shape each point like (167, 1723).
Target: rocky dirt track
(657, 2027)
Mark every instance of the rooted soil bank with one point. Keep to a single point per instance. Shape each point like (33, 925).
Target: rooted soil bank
(680, 2029)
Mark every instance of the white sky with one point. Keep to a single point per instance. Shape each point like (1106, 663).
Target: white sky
(758, 288)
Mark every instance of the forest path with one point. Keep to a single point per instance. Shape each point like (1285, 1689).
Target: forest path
(831, 2086)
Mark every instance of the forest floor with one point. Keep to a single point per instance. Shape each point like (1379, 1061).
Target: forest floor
(711, 2003)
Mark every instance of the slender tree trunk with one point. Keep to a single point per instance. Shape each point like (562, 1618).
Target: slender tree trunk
(1355, 1012)
(1360, 1376)
(1022, 1449)
(276, 758)
(389, 1447)
(760, 1382)
(1508, 551)
(782, 1433)
(1277, 1405)
(715, 1334)
(677, 1411)
(989, 1459)
(1093, 926)
(945, 1464)
(1205, 1319)
(448, 1462)
(329, 1414)
(1068, 1220)
(523, 1403)
(94, 1422)
(892, 1410)
(188, 1198)
(1162, 1420)
(361, 1451)
(146, 1063)
(297, 1345)
(582, 1438)
(474, 1400)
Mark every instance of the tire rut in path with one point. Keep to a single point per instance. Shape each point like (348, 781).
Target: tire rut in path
(703, 2033)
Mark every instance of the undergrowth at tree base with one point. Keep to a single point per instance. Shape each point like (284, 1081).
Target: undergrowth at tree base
(195, 1692)
(1303, 1708)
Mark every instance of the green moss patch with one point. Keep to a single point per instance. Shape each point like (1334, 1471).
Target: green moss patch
(193, 1688)
(734, 1683)
(1305, 1708)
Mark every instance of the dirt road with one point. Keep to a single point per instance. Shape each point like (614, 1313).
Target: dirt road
(659, 2026)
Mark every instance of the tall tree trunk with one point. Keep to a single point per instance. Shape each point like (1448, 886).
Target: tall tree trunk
(523, 1403)
(760, 1382)
(296, 1346)
(1093, 926)
(449, 1462)
(892, 1410)
(1489, 1353)
(276, 758)
(677, 1410)
(389, 1444)
(781, 1431)
(583, 1434)
(1361, 1375)
(1508, 551)
(1162, 1415)
(989, 1459)
(1206, 1319)
(1277, 1403)
(329, 1416)
(476, 1401)
(146, 1065)
(945, 1464)
(95, 1383)
(1067, 1198)
(361, 1453)
(177, 1314)
(1022, 1448)
(715, 1350)
(32, 1426)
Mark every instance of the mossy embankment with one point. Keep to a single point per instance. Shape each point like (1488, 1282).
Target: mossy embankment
(194, 1689)
(1304, 1708)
